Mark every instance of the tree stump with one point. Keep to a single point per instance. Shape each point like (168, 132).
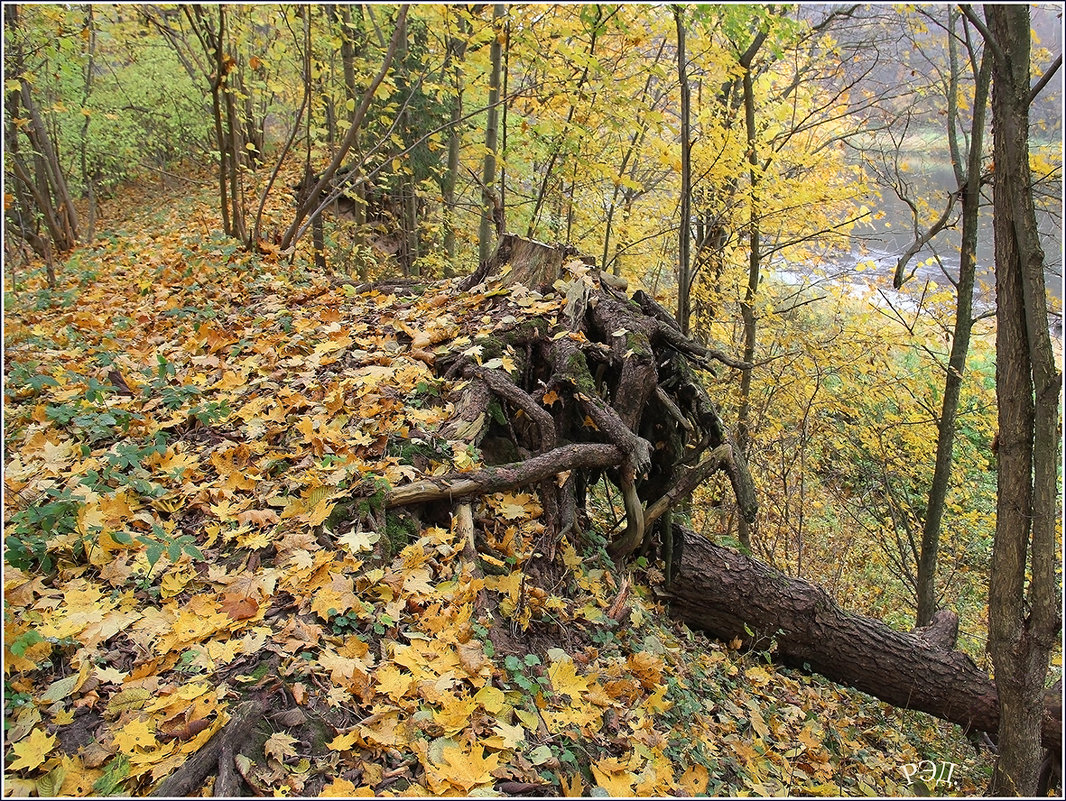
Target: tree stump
(517, 260)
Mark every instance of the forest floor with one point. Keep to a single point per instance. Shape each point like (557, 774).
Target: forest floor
(189, 430)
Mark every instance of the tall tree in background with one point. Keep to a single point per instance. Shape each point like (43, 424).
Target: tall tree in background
(41, 195)
(315, 202)
(747, 306)
(456, 52)
(489, 199)
(684, 271)
(1023, 620)
(87, 176)
(966, 160)
(213, 36)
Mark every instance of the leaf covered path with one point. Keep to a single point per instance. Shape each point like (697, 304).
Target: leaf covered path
(198, 445)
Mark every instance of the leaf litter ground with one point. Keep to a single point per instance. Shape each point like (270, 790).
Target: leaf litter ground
(197, 444)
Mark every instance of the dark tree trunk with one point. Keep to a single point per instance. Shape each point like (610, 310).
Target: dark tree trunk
(488, 168)
(968, 180)
(684, 270)
(1023, 610)
(455, 54)
(728, 594)
(623, 382)
(39, 189)
(747, 307)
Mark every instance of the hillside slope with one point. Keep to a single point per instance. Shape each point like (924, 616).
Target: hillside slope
(196, 444)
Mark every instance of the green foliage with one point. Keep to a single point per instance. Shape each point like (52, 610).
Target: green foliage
(114, 776)
(526, 675)
(29, 529)
(142, 111)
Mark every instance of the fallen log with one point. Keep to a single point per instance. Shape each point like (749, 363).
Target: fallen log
(730, 595)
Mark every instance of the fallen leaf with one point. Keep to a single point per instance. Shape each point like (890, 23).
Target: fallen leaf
(31, 751)
(280, 745)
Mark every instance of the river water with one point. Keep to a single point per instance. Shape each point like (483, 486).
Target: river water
(878, 244)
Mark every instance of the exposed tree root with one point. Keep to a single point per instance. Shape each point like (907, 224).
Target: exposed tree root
(611, 392)
(608, 391)
(216, 756)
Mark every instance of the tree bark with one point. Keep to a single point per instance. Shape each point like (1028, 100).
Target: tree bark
(39, 190)
(747, 307)
(968, 180)
(456, 53)
(1024, 616)
(603, 387)
(217, 754)
(684, 272)
(316, 201)
(488, 169)
(522, 261)
(728, 595)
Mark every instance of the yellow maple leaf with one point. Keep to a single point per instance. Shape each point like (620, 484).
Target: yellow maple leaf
(30, 752)
(392, 681)
(138, 733)
(224, 510)
(491, 699)
(342, 742)
(757, 674)
(387, 731)
(338, 788)
(358, 541)
(416, 582)
(342, 668)
(614, 777)
(466, 770)
(657, 702)
(321, 511)
(508, 585)
(507, 736)
(455, 714)
(224, 652)
(57, 456)
(338, 596)
(174, 581)
(78, 780)
(133, 698)
(573, 786)
(647, 667)
(694, 780)
(564, 679)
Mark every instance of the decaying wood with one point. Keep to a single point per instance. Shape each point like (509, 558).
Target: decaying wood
(216, 755)
(522, 261)
(728, 595)
(625, 404)
(500, 478)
